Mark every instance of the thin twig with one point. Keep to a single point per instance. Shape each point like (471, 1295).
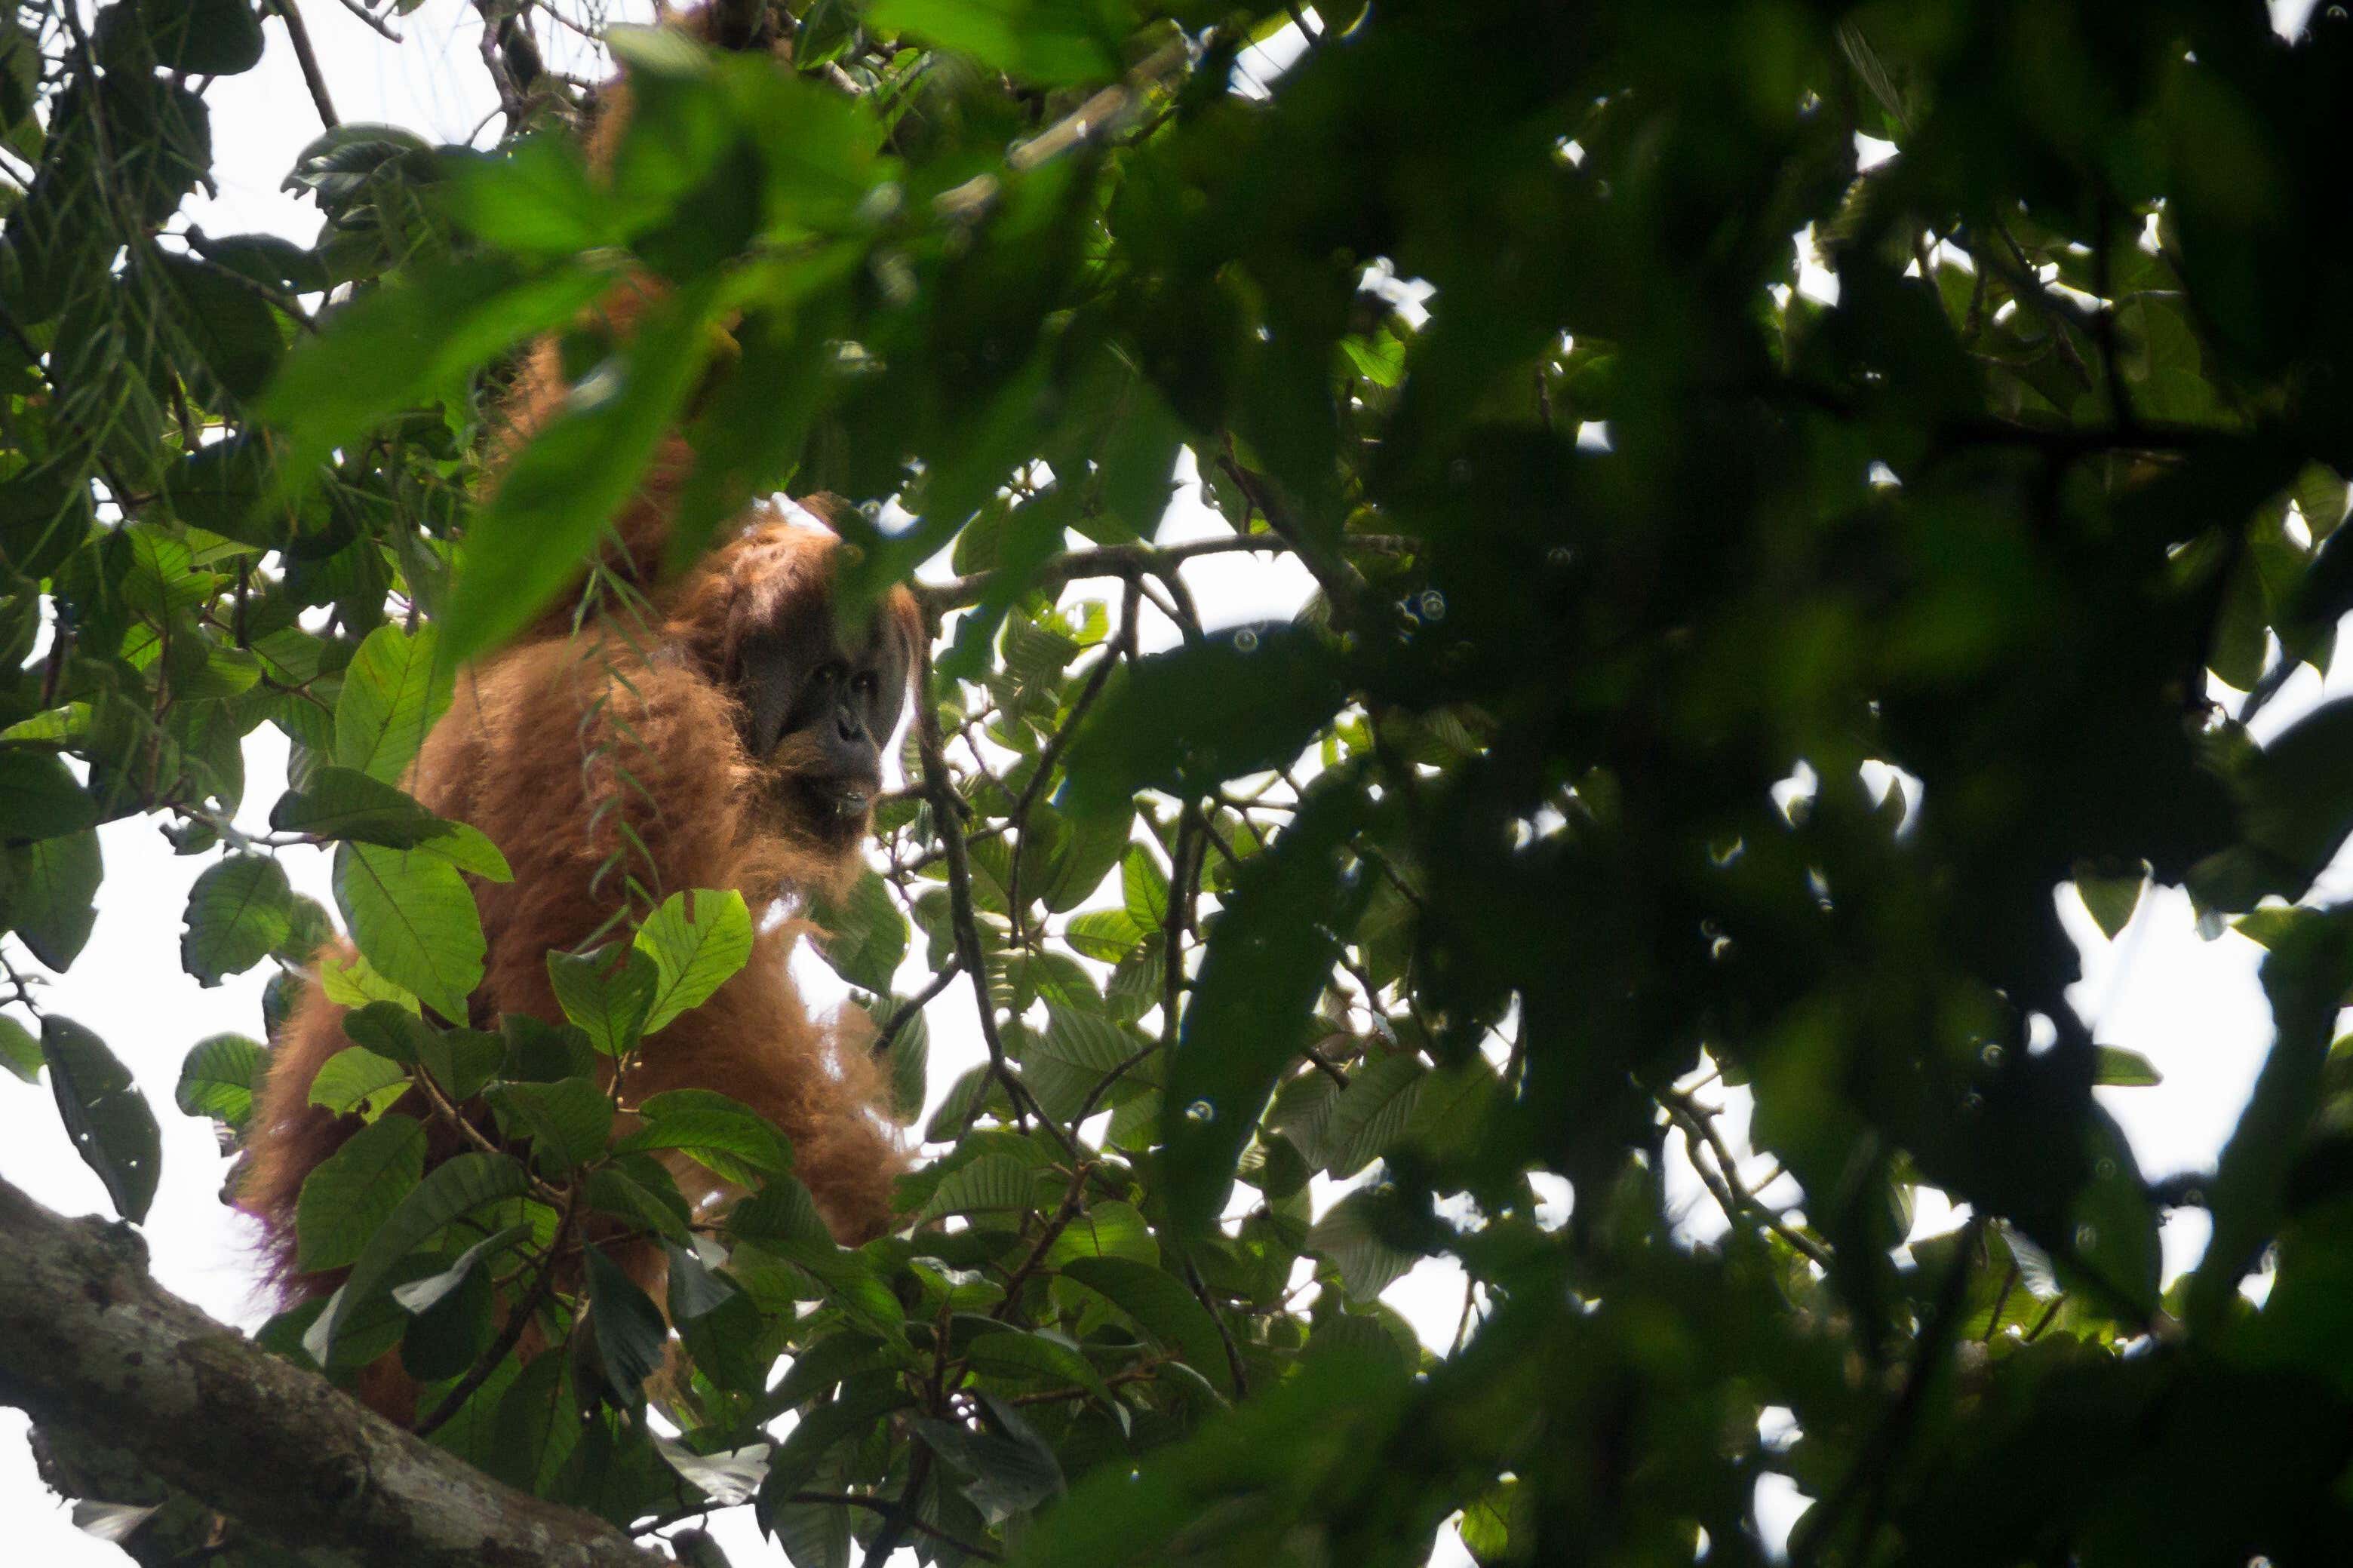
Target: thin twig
(371, 18)
(1201, 1289)
(1133, 560)
(915, 1004)
(1735, 1199)
(1018, 819)
(308, 58)
(509, 1337)
(948, 823)
(900, 1516)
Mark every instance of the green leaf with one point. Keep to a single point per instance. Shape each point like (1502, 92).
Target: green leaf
(1012, 1468)
(1349, 1238)
(218, 1077)
(569, 1121)
(451, 1190)
(1111, 1229)
(461, 1060)
(652, 1205)
(1292, 1442)
(2111, 900)
(389, 1029)
(576, 473)
(995, 1185)
(609, 992)
(414, 918)
(398, 344)
(1143, 887)
(533, 198)
(1372, 1112)
(20, 1053)
(723, 1135)
(696, 940)
(343, 803)
(104, 1113)
(1051, 43)
(350, 981)
(630, 1331)
(1095, 845)
(48, 895)
(232, 328)
(1033, 1356)
(1160, 1305)
(355, 1190)
(394, 689)
(203, 37)
(865, 936)
(469, 850)
(45, 801)
(419, 1296)
(1106, 936)
(240, 912)
(2305, 975)
(355, 1081)
(2114, 1243)
(1185, 721)
(1268, 956)
(2116, 1067)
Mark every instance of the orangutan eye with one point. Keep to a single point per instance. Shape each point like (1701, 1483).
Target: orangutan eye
(865, 684)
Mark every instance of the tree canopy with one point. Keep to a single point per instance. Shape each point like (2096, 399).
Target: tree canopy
(1710, 687)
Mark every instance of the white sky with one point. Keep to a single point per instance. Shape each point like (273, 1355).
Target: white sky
(2192, 1006)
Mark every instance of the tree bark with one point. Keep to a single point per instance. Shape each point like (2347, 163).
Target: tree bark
(90, 1344)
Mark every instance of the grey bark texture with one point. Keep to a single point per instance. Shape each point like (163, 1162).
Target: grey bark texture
(90, 1344)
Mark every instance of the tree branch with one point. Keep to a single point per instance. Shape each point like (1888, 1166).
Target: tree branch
(308, 58)
(1135, 561)
(90, 1344)
(947, 821)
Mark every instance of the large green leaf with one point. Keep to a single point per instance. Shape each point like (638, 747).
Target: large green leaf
(203, 37)
(20, 1052)
(609, 992)
(395, 689)
(1051, 42)
(568, 1121)
(399, 344)
(219, 1077)
(45, 801)
(49, 893)
(865, 936)
(726, 1137)
(240, 912)
(629, 1330)
(698, 940)
(1185, 721)
(458, 1187)
(1159, 1304)
(355, 1190)
(576, 473)
(413, 917)
(344, 802)
(1267, 959)
(357, 1081)
(113, 1129)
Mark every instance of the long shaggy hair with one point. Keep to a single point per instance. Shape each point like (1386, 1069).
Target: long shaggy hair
(619, 753)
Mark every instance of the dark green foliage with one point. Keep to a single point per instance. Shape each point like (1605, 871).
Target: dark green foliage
(1454, 886)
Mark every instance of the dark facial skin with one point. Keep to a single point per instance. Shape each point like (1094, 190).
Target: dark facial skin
(822, 713)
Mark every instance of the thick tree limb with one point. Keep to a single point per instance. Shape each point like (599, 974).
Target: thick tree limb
(90, 1344)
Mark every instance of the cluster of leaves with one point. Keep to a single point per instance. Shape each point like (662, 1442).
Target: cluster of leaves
(1454, 886)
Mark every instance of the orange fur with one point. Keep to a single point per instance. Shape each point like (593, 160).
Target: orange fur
(550, 747)
(535, 744)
